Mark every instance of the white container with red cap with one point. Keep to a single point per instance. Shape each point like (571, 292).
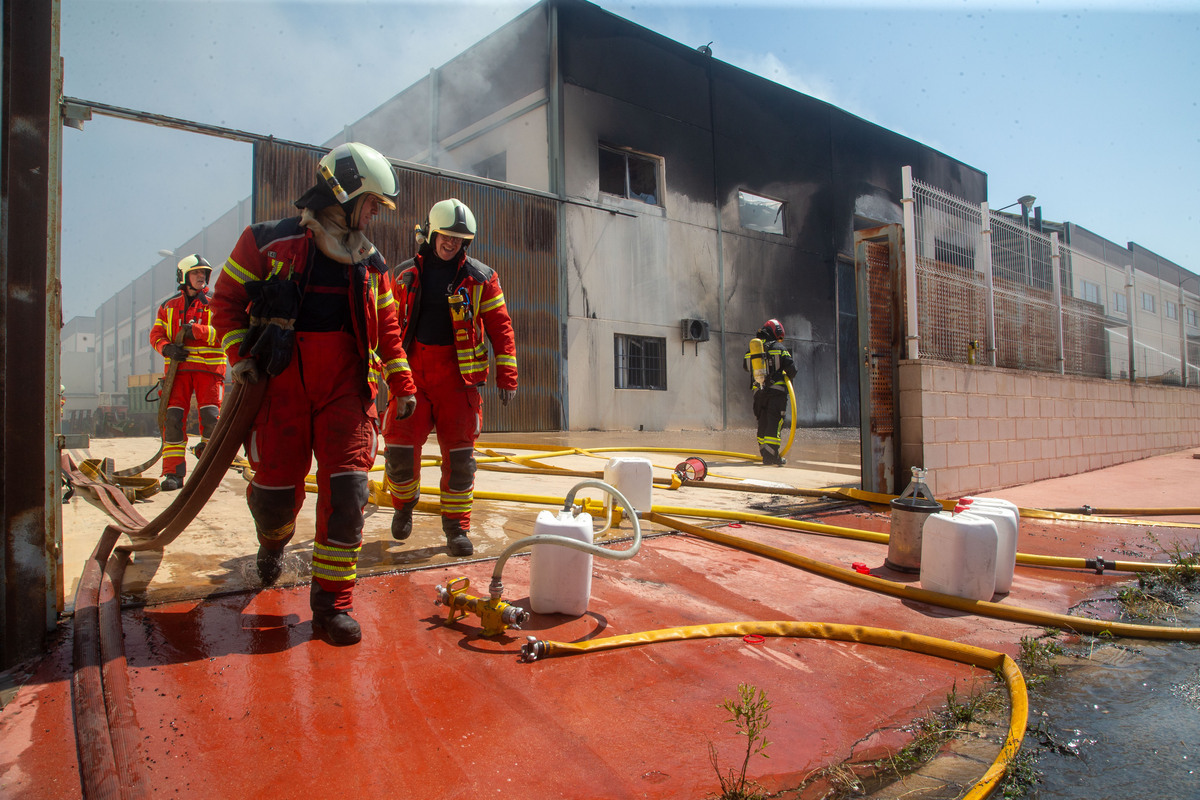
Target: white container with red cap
(958, 555)
(1008, 528)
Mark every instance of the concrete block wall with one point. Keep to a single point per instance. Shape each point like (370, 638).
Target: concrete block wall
(979, 428)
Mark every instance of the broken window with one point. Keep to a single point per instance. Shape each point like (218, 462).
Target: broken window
(640, 362)
(758, 213)
(629, 174)
(494, 167)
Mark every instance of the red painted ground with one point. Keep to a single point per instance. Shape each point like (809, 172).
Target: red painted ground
(235, 698)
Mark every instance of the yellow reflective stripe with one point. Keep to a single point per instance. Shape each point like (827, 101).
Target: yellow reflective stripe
(405, 491)
(395, 365)
(334, 563)
(492, 303)
(384, 299)
(174, 449)
(234, 337)
(237, 272)
(457, 502)
(506, 361)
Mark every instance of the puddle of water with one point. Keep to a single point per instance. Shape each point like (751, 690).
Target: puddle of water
(1124, 723)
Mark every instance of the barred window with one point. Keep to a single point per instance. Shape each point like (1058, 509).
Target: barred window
(640, 362)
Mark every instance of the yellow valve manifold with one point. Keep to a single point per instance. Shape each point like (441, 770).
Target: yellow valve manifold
(495, 614)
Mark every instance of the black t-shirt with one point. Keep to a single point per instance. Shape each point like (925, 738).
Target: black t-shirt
(433, 318)
(326, 303)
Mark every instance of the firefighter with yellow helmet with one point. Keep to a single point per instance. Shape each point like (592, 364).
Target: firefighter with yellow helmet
(451, 307)
(183, 333)
(306, 304)
(770, 364)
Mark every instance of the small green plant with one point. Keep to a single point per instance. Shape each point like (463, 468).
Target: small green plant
(1020, 775)
(750, 715)
(1037, 657)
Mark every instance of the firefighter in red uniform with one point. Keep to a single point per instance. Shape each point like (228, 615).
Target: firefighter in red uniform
(448, 303)
(307, 303)
(184, 332)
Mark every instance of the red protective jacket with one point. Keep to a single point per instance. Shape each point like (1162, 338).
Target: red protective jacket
(488, 315)
(203, 354)
(283, 249)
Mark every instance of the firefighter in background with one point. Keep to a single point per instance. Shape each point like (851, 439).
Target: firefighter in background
(448, 303)
(307, 304)
(770, 364)
(183, 332)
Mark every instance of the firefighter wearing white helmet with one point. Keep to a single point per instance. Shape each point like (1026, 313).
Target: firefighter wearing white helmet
(306, 304)
(451, 307)
(770, 364)
(183, 333)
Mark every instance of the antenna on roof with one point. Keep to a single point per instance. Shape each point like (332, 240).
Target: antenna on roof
(704, 49)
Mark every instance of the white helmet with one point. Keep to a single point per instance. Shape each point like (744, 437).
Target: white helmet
(451, 218)
(354, 169)
(189, 264)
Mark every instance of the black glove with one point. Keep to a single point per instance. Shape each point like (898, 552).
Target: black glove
(189, 330)
(406, 404)
(175, 352)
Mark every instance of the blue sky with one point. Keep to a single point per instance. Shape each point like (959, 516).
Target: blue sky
(1094, 110)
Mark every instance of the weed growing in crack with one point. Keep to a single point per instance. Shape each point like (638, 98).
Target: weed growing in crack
(750, 715)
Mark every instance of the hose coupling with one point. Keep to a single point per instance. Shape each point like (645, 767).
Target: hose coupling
(1086, 509)
(1099, 564)
(532, 650)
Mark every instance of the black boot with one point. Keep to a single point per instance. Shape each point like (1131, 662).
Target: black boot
(172, 483)
(402, 523)
(456, 538)
(270, 565)
(337, 624)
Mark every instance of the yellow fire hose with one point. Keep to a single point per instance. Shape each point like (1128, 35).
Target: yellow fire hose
(913, 642)
(983, 608)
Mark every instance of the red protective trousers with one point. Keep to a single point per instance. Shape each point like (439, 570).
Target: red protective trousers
(317, 407)
(455, 409)
(208, 388)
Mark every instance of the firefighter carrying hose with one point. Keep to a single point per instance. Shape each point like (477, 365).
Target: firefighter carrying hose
(770, 364)
(184, 334)
(307, 304)
(448, 303)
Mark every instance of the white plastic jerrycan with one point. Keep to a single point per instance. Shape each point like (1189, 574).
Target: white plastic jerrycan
(634, 479)
(958, 555)
(560, 577)
(1008, 527)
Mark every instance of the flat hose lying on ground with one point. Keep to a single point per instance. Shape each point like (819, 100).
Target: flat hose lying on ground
(903, 640)
(105, 727)
(982, 608)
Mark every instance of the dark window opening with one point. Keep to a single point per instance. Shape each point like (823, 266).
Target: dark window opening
(494, 167)
(627, 174)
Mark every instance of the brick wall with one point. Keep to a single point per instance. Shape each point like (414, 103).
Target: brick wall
(980, 428)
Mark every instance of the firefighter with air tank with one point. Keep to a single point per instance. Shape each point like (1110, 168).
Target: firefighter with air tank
(770, 364)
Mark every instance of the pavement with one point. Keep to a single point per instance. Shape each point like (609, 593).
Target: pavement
(232, 693)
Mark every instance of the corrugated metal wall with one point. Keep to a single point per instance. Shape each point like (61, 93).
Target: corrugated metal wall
(517, 237)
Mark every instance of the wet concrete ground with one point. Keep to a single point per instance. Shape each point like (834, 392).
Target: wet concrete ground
(235, 697)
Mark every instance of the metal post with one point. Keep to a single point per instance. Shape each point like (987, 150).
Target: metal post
(985, 257)
(1129, 306)
(1181, 312)
(910, 264)
(1056, 280)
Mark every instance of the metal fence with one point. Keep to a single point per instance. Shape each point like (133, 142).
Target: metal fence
(988, 289)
